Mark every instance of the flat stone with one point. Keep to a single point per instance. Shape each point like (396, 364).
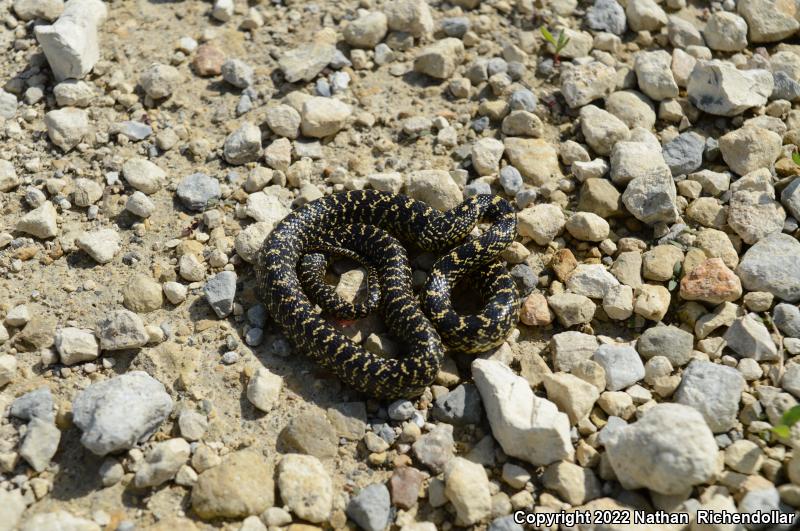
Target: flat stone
(76, 345)
(310, 433)
(41, 222)
(198, 191)
(121, 330)
(668, 341)
(102, 245)
(622, 365)
(749, 338)
(305, 62)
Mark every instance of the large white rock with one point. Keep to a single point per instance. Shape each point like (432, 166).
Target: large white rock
(71, 43)
(669, 450)
(526, 426)
(717, 87)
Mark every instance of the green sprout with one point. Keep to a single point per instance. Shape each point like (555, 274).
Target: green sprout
(788, 419)
(558, 44)
(796, 157)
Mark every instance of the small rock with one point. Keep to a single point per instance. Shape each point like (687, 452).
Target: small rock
(371, 507)
(587, 82)
(668, 341)
(749, 148)
(323, 117)
(220, 291)
(208, 60)
(310, 433)
(655, 75)
(652, 199)
(242, 146)
(121, 330)
(162, 463)
(102, 245)
(749, 338)
(767, 21)
(237, 73)
(668, 450)
(76, 345)
(602, 129)
(264, 389)
(240, 486)
(770, 265)
(40, 222)
(67, 127)
(467, 488)
(435, 187)
(711, 281)
(305, 487)
(440, 59)
(143, 175)
(198, 191)
(118, 413)
(142, 294)
(587, 226)
(159, 81)
(307, 61)
(71, 43)
(725, 32)
(714, 390)
(486, 155)
(622, 365)
(435, 448)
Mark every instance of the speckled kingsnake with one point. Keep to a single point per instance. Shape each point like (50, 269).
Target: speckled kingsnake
(369, 225)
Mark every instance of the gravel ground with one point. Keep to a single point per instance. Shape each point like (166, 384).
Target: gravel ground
(149, 147)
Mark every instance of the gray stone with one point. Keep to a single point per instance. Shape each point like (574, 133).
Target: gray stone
(790, 198)
(749, 338)
(159, 81)
(652, 199)
(787, 318)
(461, 406)
(785, 88)
(67, 127)
(34, 404)
(668, 450)
(237, 73)
(198, 191)
(220, 291)
(714, 390)
(243, 145)
(435, 448)
(669, 341)
(771, 265)
(606, 15)
(371, 508)
(307, 61)
(684, 154)
(118, 413)
(622, 364)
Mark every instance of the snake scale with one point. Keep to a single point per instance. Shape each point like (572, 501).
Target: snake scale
(373, 228)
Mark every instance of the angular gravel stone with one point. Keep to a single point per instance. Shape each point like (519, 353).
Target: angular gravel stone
(440, 59)
(668, 450)
(36, 404)
(143, 175)
(76, 345)
(749, 338)
(526, 426)
(787, 319)
(162, 463)
(307, 61)
(243, 145)
(467, 488)
(602, 129)
(198, 191)
(606, 15)
(102, 245)
(461, 406)
(118, 413)
(121, 330)
(160, 81)
(264, 389)
(220, 291)
(725, 32)
(714, 390)
(720, 88)
(371, 508)
(323, 117)
(435, 448)
(587, 82)
(750, 148)
(766, 21)
(40, 443)
(71, 44)
(684, 154)
(771, 265)
(622, 364)
(240, 486)
(591, 280)
(305, 487)
(654, 73)
(652, 199)
(41, 222)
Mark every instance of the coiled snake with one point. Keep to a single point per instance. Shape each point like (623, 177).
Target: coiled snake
(369, 226)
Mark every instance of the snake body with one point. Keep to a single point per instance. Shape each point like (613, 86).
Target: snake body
(373, 227)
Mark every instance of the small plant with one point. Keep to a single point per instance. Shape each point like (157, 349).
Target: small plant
(788, 419)
(558, 44)
(796, 157)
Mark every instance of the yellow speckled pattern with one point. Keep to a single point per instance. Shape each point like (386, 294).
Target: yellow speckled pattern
(373, 227)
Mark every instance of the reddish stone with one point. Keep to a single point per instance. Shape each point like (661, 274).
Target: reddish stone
(711, 281)
(535, 312)
(208, 61)
(563, 263)
(404, 486)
